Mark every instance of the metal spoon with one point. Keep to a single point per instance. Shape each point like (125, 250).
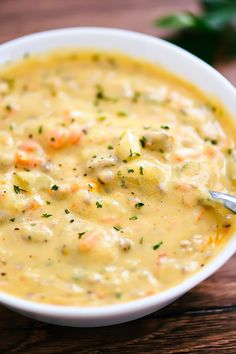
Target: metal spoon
(229, 201)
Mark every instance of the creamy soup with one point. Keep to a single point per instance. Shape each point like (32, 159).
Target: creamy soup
(105, 167)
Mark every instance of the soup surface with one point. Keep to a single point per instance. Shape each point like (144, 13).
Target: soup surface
(105, 166)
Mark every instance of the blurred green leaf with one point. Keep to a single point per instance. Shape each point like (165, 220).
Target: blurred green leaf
(177, 21)
(214, 5)
(208, 34)
(219, 19)
(193, 42)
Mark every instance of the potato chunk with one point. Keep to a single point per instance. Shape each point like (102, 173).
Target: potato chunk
(158, 141)
(128, 147)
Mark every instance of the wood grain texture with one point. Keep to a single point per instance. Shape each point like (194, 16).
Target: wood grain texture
(204, 320)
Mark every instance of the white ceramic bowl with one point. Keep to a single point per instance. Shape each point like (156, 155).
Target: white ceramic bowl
(172, 58)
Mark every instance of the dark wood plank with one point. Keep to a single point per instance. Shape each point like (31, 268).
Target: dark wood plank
(185, 333)
(202, 321)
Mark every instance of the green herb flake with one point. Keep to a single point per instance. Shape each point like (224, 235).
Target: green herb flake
(45, 215)
(122, 182)
(130, 170)
(99, 205)
(141, 170)
(141, 241)
(117, 228)
(118, 295)
(143, 141)
(110, 147)
(13, 219)
(67, 211)
(40, 129)
(214, 142)
(101, 118)
(156, 246)
(47, 202)
(54, 187)
(133, 217)
(136, 97)
(100, 93)
(18, 190)
(122, 114)
(8, 108)
(80, 234)
(139, 205)
(166, 127)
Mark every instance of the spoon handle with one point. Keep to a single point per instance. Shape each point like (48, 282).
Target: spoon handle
(228, 200)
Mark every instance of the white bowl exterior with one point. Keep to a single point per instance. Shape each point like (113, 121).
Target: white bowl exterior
(171, 58)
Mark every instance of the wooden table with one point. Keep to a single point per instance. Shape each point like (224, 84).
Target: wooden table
(204, 320)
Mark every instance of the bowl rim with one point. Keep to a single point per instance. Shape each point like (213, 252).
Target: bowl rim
(145, 303)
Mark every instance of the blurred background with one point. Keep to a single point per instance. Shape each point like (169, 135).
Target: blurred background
(205, 27)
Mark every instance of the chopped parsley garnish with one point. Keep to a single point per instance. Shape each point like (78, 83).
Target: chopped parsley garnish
(40, 129)
(48, 203)
(141, 241)
(18, 190)
(80, 234)
(165, 127)
(52, 138)
(110, 147)
(139, 205)
(118, 295)
(13, 219)
(143, 141)
(99, 205)
(122, 182)
(214, 142)
(54, 187)
(101, 118)
(229, 151)
(133, 217)
(8, 108)
(130, 170)
(67, 211)
(136, 96)
(156, 246)
(100, 93)
(117, 228)
(141, 170)
(45, 215)
(130, 153)
(122, 114)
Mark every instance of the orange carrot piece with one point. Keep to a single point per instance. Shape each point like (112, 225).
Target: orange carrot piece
(75, 136)
(88, 241)
(57, 138)
(27, 160)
